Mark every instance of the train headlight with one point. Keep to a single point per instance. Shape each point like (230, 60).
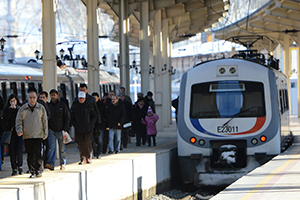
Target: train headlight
(193, 140)
(222, 70)
(201, 142)
(263, 138)
(232, 70)
(254, 141)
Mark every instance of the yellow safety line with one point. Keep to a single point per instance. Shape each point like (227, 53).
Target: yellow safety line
(265, 180)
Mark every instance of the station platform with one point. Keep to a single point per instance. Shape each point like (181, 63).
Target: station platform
(279, 179)
(134, 173)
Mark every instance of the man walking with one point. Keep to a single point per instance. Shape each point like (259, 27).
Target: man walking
(58, 122)
(83, 118)
(32, 123)
(116, 116)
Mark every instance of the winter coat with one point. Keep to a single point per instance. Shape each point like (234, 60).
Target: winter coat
(116, 114)
(60, 116)
(90, 100)
(150, 124)
(103, 114)
(139, 114)
(83, 118)
(9, 117)
(33, 124)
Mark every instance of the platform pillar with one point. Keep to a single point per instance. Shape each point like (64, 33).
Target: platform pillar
(157, 53)
(286, 63)
(92, 47)
(298, 73)
(166, 92)
(144, 47)
(124, 44)
(49, 46)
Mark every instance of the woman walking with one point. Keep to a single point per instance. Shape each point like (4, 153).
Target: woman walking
(16, 144)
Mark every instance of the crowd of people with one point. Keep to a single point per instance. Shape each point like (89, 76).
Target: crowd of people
(102, 125)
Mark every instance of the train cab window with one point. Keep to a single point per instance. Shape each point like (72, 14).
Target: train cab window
(13, 88)
(223, 99)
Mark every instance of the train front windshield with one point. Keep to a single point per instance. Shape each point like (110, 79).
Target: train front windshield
(223, 99)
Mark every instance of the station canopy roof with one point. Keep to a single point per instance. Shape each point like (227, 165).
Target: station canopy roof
(185, 18)
(270, 22)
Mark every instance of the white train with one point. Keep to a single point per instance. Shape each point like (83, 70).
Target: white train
(233, 116)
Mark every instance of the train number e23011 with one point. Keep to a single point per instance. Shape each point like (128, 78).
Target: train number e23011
(227, 129)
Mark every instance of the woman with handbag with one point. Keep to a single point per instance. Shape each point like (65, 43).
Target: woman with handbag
(16, 143)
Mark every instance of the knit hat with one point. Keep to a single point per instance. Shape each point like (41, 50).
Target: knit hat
(149, 110)
(121, 93)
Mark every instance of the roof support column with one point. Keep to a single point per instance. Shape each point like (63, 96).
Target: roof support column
(298, 73)
(286, 63)
(144, 47)
(49, 46)
(92, 46)
(166, 92)
(158, 69)
(170, 79)
(124, 44)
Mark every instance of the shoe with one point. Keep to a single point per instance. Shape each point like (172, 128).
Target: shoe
(20, 169)
(14, 173)
(32, 176)
(48, 166)
(116, 152)
(144, 143)
(62, 167)
(89, 161)
(149, 145)
(138, 145)
(110, 152)
(38, 175)
(80, 163)
(154, 145)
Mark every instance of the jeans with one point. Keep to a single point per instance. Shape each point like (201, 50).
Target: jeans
(114, 140)
(98, 144)
(52, 147)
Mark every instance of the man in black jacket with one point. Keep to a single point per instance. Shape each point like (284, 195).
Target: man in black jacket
(83, 118)
(116, 116)
(58, 122)
(88, 99)
(99, 127)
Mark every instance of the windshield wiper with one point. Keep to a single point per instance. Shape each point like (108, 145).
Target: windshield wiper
(235, 115)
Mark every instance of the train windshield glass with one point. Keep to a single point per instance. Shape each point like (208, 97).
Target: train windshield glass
(223, 99)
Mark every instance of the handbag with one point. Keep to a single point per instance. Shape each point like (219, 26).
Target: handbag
(67, 138)
(5, 137)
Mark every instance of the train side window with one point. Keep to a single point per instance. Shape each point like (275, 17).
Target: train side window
(281, 101)
(13, 88)
(76, 89)
(31, 85)
(286, 99)
(23, 91)
(63, 90)
(40, 87)
(4, 93)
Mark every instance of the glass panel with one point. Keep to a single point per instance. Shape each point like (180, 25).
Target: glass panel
(225, 99)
